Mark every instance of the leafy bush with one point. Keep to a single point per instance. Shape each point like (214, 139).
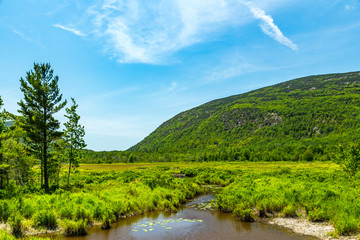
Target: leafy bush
(16, 225)
(318, 215)
(243, 212)
(74, 228)
(244, 215)
(5, 210)
(4, 235)
(82, 213)
(347, 225)
(290, 211)
(45, 219)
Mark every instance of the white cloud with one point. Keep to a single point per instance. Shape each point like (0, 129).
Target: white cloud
(268, 26)
(70, 29)
(149, 32)
(134, 31)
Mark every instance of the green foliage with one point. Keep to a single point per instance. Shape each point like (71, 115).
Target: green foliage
(299, 120)
(290, 211)
(318, 215)
(45, 219)
(5, 210)
(16, 225)
(74, 228)
(243, 212)
(325, 194)
(42, 99)
(349, 158)
(4, 235)
(347, 225)
(74, 136)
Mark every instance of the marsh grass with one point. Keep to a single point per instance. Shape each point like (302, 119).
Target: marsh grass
(102, 194)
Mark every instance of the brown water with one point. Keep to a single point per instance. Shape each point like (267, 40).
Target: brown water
(188, 223)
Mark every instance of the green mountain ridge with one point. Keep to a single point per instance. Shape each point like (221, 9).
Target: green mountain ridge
(309, 115)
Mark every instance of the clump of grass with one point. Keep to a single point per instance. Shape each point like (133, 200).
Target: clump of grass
(82, 213)
(5, 210)
(332, 234)
(45, 219)
(107, 220)
(4, 235)
(347, 225)
(244, 212)
(66, 212)
(27, 210)
(74, 228)
(16, 225)
(318, 215)
(290, 211)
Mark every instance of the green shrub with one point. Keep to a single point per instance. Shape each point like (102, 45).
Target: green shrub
(244, 215)
(243, 212)
(4, 235)
(318, 215)
(82, 213)
(5, 210)
(74, 228)
(66, 212)
(16, 225)
(98, 213)
(45, 219)
(290, 211)
(332, 234)
(107, 220)
(27, 210)
(346, 225)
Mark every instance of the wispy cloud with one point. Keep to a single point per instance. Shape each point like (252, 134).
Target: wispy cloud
(134, 31)
(148, 32)
(21, 34)
(268, 26)
(70, 29)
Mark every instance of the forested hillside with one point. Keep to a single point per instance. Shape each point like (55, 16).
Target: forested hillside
(301, 119)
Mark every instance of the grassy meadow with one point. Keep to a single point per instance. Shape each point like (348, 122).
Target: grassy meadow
(100, 194)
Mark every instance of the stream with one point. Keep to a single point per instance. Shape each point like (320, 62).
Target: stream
(196, 220)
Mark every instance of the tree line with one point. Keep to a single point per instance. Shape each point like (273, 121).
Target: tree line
(35, 137)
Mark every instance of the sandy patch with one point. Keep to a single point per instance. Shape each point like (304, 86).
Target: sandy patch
(303, 226)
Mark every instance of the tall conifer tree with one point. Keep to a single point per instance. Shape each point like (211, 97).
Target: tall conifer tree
(42, 99)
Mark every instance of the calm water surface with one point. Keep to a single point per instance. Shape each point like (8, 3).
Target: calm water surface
(188, 223)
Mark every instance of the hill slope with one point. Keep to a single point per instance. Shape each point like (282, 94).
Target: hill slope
(311, 113)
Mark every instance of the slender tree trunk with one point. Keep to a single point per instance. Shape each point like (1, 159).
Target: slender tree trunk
(46, 177)
(70, 160)
(42, 172)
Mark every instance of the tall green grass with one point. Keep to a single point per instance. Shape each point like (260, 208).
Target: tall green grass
(99, 198)
(326, 196)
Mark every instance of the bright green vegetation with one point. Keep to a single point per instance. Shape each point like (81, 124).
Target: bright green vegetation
(321, 196)
(34, 137)
(320, 192)
(270, 147)
(6, 236)
(302, 119)
(96, 198)
(102, 194)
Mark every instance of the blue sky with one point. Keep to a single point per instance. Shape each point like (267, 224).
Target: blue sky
(132, 64)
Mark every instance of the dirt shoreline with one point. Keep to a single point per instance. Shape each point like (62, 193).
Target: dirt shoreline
(304, 227)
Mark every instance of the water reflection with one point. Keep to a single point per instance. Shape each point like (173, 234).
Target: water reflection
(188, 223)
